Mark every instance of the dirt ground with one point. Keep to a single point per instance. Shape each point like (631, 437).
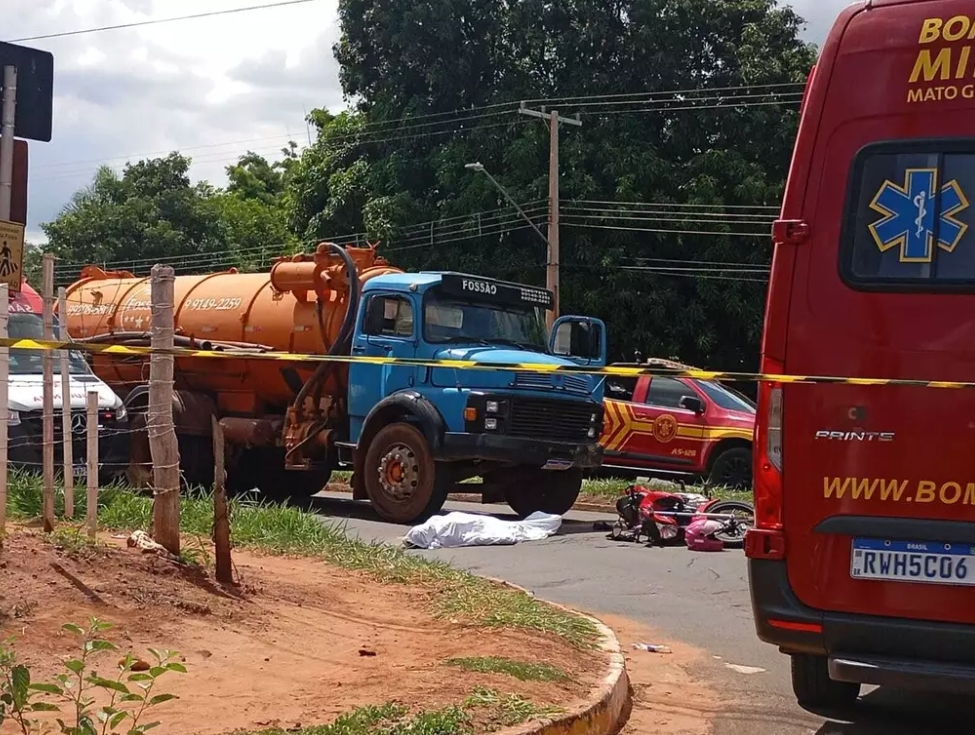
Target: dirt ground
(297, 643)
(667, 700)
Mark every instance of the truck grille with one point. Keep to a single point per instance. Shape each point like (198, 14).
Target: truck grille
(541, 381)
(540, 418)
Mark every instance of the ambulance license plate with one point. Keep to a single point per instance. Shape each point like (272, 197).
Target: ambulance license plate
(924, 562)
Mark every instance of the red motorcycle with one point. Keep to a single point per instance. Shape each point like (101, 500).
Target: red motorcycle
(663, 517)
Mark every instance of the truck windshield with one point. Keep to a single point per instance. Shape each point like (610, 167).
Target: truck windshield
(30, 362)
(725, 397)
(448, 319)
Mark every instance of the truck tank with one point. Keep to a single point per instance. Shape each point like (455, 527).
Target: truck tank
(300, 306)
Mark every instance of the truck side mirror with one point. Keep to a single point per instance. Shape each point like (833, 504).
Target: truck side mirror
(375, 316)
(692, 403)
(582, 339)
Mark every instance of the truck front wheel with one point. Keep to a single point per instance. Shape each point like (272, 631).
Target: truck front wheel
(548, 491)
(401, 477)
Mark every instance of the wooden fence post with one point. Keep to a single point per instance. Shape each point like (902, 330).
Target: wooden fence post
(91, 455)
(162, 435)
(4, 404)
(47, 417)
(221, 519)
(67, 438)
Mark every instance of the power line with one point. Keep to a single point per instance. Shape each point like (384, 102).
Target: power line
(548, 101)
(702, 274)
(664, 231)
(431, 233)
(472, 114)
(690, 205)
(157, 21)
(651, 215)
(223, 158)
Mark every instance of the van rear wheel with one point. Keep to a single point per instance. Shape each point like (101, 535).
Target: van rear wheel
(815, 689)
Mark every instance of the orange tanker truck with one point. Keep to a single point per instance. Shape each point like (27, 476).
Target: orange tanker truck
(408, 432)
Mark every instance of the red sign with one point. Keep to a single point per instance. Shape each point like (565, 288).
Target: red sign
(18, 194)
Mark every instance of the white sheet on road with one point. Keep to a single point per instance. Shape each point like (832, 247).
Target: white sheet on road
(467, 529)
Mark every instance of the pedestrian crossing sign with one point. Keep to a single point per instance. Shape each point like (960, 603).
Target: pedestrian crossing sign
(11, 254)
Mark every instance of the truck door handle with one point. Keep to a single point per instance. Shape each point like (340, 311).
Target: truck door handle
(358, 349)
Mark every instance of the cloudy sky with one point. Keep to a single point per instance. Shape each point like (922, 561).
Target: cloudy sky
(212, 88)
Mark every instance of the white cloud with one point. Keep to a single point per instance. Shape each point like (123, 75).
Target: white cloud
(819, 16)
(213, 88)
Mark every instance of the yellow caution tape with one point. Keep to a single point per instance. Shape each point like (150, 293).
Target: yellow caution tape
(536, 367)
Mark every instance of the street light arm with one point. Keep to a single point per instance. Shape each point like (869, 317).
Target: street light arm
(512, 202)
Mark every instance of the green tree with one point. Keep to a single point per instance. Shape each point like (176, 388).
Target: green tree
(150, 212)
(250, 212)
(371, 173)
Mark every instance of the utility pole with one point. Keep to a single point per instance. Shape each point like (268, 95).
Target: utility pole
(7, 120)
(552, 262)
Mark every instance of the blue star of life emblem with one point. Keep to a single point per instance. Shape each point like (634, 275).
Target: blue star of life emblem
(909, 216)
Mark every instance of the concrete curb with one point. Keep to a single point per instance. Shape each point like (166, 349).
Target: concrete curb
(603, 712)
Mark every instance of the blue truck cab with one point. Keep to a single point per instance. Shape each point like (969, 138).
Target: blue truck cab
(415, 431)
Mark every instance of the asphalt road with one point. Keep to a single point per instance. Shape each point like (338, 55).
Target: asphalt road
(701, 599)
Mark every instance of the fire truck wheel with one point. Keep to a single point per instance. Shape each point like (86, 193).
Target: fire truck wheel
(732, 468)
(401, 477)
(548, 491)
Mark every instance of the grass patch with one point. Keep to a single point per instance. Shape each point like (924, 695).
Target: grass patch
(486, 709)
(508, 709)
(74, 542)
(389, 719)
(521, 670)
(287, 530)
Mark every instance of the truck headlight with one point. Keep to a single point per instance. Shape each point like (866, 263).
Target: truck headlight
(491, 406)
(490, 424)
(13, 418)
(592, 433)
(120, 413)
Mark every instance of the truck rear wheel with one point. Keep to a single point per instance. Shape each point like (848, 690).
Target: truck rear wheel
(815, 689)
(546, 491)
(263, 468)
(401, 477)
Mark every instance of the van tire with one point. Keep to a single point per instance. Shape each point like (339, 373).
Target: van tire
(814, 688)
(413, 496)
(732, 468)
(546, 491)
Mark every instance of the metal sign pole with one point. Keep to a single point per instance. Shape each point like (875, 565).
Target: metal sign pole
(7, 140)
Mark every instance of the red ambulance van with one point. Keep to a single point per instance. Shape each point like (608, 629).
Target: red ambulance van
(862, 562)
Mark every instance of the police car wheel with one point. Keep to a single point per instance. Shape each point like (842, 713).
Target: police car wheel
(814, 688)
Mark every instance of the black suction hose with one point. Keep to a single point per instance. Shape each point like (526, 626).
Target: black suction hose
(342, 343)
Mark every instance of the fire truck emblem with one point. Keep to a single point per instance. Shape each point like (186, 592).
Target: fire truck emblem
(909, 223)
(665, 428)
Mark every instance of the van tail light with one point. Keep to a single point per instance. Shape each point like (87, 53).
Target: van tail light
(767, 540)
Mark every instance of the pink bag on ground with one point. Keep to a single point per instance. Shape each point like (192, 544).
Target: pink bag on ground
(698, 535)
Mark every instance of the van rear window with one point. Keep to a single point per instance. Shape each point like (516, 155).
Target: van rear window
(909, 218)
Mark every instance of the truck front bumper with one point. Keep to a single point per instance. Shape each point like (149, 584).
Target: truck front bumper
(25, 447)
(518, 450)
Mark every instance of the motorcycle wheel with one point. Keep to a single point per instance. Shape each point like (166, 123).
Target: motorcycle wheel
(744, 512)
